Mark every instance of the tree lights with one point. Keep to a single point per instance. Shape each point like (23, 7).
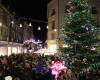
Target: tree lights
(78, 32)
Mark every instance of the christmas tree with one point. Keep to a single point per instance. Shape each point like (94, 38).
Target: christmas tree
(79, 39)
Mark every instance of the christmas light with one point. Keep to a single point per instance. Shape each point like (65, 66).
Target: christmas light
(39, 28)
(78, 31)
(20, 25)
(30, 24)
(47, 27)
(55, 30)
(12, 22)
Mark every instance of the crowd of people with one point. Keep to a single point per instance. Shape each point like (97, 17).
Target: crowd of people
(39, 67)
(29, 67)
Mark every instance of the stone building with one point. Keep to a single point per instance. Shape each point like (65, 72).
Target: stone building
(12, 33)
(55, 11)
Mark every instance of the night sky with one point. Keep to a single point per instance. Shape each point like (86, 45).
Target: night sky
(31, 9)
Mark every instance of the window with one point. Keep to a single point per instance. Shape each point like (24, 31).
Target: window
(53, 25)
(94, 10)
(53, 36)
(53, 12)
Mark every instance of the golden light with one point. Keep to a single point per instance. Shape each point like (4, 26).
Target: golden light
(55, 30)
(65, 45)
(0, 24)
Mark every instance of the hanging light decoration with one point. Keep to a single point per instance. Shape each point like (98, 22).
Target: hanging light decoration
(30, 24)
(39, 28)
(12, 22)
(20, 25)
(47, 27)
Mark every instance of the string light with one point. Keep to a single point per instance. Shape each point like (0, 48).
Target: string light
(12, 22)
(20, 25)
(47, 27)
(55, 30)
(39, 28)
(32, 20)
(30, 24)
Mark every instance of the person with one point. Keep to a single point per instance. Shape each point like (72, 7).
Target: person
(26, 73)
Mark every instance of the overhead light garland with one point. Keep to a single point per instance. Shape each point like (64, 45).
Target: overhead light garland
(20, 25)
(39, 28)
(30, 24)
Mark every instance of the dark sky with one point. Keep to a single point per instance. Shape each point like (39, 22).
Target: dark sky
(34, 9)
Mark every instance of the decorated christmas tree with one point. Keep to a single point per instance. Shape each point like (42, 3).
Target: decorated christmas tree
(79, 39)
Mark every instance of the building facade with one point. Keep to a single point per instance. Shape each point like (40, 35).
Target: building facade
(55, 19)
(12, 33)
(55, 11)
(27, 31)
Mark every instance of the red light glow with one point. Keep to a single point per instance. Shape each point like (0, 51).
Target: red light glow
(57, 67)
